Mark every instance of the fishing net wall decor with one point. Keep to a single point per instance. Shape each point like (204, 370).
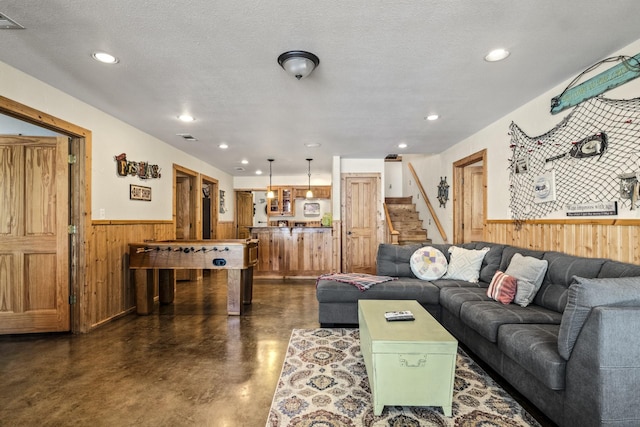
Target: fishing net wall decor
(591, 156)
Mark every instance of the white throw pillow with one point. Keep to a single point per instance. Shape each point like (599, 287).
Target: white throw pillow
(465, 264)
(530, 272)
(428, 263)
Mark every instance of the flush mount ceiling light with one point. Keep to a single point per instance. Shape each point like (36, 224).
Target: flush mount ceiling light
(432, 117)
(309, 194)
(298, 63)
(270, 194)
(104, 57)
(497, 55)
(402, 145)
(223, 146)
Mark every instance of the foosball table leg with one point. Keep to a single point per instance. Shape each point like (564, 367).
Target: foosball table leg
(144, 292)
(167, 286)
(247, 284)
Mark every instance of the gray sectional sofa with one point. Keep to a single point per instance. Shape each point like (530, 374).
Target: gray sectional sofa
(574, 352)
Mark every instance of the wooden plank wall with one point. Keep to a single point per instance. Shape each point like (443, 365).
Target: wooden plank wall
(107, 289)
(614, 239)
(225, 230)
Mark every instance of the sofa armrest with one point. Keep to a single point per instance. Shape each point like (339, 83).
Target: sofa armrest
(603, 371)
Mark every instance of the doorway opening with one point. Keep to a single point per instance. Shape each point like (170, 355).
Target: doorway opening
(77, 212)
(470, 198)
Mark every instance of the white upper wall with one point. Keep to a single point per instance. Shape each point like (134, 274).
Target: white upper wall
(110, 137)
(534, 118)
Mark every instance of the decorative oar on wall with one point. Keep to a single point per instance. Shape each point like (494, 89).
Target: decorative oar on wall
(627, 70)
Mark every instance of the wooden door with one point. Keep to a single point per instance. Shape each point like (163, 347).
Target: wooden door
(361, 194)
(183, 208)
(188, 218)
(34, 242)
(244, 214)
(473, 204)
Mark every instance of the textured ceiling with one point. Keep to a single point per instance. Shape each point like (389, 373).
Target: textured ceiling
(384, 66)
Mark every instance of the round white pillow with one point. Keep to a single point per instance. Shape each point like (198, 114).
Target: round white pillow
(428, 263)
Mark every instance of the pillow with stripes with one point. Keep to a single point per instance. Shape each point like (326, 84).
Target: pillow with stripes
(502, 288)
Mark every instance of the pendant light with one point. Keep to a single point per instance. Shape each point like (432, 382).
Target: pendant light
(270, 194)
(309, 192)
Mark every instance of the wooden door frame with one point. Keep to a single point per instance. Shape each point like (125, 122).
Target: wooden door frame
(343, 211)
(458, 174)
(206, 180)
(195, 203)
(79, 200)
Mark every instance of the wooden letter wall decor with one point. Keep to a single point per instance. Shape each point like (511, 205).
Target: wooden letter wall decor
(142, 169)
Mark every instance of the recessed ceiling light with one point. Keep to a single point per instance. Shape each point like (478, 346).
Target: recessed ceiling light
(186, 118)
(244, 161)
(239, 168)
(402, 145)
(312, 145)
(224, 146)
(496, 55)
(432, 117)
(258, 172)
(104, 57)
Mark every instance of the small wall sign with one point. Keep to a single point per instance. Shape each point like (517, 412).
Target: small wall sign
(593, 209)
(138, 192)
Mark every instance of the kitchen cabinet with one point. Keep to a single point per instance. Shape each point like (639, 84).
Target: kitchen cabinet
(319, 192)
(282, 204)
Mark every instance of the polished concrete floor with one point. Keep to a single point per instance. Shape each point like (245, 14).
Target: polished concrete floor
(186, 364)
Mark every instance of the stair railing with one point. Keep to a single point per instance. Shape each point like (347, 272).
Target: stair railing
(429, 206)
(392, 233)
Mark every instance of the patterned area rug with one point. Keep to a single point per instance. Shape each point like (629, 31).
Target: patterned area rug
(324, 384)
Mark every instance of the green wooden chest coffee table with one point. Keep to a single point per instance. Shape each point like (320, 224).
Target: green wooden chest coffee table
(409, 363)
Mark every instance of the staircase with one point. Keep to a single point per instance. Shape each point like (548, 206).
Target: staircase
(405, 220)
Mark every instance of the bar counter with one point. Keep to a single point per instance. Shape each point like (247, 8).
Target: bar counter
(299, 252)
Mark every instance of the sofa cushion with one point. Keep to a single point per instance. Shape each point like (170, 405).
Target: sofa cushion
(450, 283)
(464, 264)
(403, 288)
(491, 261)
(562, 268)
(585, 294)
(452, 298)
(619, 269)
(529, 272)
(487, 317)
(509, 251)
(502, 288)
(428, 263)
(535, 348)
(393, 260)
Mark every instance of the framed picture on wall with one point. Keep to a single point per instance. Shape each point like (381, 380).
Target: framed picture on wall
(139, 192)
(312, 209)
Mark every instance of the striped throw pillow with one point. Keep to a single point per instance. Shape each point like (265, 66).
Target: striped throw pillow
(502, 288)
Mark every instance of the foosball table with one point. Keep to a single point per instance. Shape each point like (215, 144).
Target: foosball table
(238, 256)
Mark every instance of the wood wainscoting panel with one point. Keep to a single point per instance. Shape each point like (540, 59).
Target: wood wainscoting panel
(225, 230)
(613, 239)
(108, 283)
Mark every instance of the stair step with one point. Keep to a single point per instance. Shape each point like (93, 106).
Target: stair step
(398, 200)
(404, 213)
